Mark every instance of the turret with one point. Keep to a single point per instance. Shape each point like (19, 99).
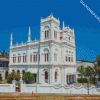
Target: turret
(63, 27)
(29, 35)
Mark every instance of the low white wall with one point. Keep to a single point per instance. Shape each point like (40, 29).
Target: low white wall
(68, 89)
(5, 88)
(47, 88)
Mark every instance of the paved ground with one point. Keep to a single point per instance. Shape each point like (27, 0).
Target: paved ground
(17, 96)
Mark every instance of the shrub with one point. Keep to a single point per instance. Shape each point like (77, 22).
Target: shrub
(28, 78)
(13, 76)
(82, 80)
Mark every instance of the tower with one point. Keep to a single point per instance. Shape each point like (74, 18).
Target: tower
(50, 28)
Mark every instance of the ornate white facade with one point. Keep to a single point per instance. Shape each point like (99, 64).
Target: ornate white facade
(52, 59)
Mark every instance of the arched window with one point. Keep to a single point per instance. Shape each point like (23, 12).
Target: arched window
(46, 34)
(55, 34)
(24, 57)
(14, 58)
(19, 58)
(66, 58)
(46, 76)
(35, 57)
(56, 75)
(46, 55)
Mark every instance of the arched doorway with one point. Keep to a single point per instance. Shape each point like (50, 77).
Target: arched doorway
(56, 76)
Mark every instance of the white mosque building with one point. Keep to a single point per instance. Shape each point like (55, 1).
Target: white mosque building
(51, 59)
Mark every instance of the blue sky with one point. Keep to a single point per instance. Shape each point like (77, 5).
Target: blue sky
(17, 15)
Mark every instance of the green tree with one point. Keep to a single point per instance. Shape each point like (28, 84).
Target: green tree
(86, 73)
(28, 77)
(13, 76)
(81, 71)
(98, 60)
(89, 73)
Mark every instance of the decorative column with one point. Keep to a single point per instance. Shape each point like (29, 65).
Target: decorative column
(62, 75)
(51, 72)
(75, 80)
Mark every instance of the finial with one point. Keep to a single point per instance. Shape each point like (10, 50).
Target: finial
(63, 25)
(29, 35)
(51, 14)
(58, 19)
